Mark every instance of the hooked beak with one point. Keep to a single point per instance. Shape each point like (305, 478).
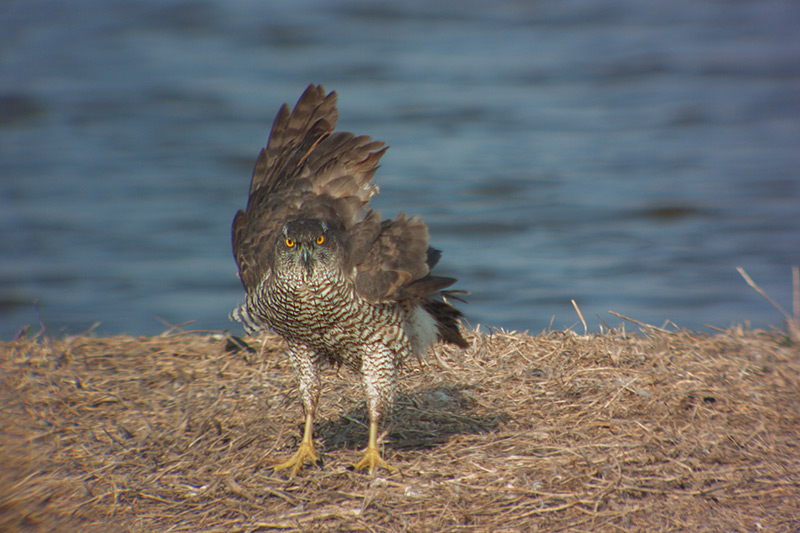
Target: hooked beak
(305, 255)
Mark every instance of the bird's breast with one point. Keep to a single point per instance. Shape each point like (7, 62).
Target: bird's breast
(327, 315)
(302, 304)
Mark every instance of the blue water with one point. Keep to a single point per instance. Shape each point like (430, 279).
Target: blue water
(626, 154)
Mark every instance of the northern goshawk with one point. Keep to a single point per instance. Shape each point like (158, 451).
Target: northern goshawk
(321, 268)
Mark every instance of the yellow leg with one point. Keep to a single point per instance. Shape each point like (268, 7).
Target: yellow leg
(304, 453)
(372, 456)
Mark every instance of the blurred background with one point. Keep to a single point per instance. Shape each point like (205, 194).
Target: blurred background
(626, 154)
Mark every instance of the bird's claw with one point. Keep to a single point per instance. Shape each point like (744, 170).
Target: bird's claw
(372, 460)
(305, 453)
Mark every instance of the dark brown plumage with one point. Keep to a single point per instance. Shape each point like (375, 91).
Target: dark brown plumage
(321, 269)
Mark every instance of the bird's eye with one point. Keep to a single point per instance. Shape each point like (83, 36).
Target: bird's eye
(289, 242)
(321, 239)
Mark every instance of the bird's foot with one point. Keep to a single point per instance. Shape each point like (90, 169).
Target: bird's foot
(305, 453)
(372, 461)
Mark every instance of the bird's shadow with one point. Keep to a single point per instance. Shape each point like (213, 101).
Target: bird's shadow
(422, 418)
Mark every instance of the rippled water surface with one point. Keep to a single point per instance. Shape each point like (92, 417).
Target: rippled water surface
(625, 154)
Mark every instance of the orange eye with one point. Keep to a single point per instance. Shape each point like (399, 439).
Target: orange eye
(321, 239)
(289, 242)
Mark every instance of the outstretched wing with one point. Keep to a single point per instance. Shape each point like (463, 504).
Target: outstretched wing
(306, 168)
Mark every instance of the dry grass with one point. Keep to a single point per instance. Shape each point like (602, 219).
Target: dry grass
(657, 430)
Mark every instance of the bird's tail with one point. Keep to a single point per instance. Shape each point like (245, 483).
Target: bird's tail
(446, 317)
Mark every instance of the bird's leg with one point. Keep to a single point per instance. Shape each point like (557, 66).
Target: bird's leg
(379, 370)
(372, 459)
(305, 366)
(305, 452)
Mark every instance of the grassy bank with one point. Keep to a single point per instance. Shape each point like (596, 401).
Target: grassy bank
(620, 431)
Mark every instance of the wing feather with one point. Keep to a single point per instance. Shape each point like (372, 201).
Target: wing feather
(395, 260)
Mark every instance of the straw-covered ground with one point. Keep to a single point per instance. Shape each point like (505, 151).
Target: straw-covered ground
(670, 431)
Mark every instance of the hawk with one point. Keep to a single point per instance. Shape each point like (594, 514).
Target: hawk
(324, 271)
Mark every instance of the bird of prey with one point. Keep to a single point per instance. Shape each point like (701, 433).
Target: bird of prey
(324, 271)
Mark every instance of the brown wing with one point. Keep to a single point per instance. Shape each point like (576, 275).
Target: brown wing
(398, 264)
(305, 168)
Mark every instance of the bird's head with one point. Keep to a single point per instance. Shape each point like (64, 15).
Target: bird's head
(306, 243)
